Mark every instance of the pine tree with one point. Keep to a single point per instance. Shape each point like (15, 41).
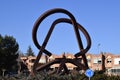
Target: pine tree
(30, 52)
(8, 53)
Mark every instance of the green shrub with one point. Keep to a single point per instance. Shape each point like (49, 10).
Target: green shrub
(72, 76)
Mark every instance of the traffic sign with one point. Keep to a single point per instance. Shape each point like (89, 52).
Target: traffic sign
(89, 73)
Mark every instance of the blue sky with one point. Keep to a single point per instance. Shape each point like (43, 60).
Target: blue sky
(101, 18)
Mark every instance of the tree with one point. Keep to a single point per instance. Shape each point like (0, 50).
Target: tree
(30, 52)
(8, 53)
(21, 54)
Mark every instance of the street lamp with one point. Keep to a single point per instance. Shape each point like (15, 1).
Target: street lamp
(98, 47)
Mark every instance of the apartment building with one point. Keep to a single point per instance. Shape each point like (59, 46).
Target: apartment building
(103, 61)
(29, 61)
(112, 63)
(95, 61)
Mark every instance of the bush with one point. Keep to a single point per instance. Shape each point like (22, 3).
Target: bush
(72, 76)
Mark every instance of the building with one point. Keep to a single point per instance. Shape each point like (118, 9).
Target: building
(95, 61)
(103, 61)
(112, 64)
(29, 61)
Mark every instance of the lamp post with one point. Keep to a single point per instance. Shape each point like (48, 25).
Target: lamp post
(98, 48)
(97, 56)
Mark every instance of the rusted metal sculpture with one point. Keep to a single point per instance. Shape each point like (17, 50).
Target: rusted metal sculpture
(62, 60)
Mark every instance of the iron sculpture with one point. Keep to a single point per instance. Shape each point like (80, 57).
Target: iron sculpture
(62, 60)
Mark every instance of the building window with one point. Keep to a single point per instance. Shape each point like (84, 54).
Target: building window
(97, 61)
(116, 61)
(115, 71)
(32, 60)
(109, 60)
(88, 60)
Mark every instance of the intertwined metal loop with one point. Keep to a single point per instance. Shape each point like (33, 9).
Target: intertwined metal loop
(64, 60)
